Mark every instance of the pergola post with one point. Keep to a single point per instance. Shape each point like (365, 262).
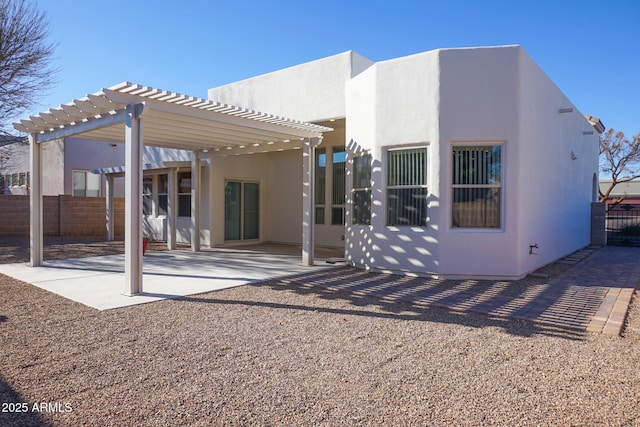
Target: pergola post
(172, 191)
(133, 200)
(35, 201)
(308, 207)
(110, 211)
(195, 202)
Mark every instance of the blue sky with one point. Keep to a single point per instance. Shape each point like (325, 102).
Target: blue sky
(590, 49)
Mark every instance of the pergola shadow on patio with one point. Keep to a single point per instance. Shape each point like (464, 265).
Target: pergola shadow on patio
(139, 115)
(98, 282)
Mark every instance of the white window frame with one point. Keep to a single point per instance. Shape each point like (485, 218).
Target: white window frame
(499, 186)
(388, 187)
(85, 172)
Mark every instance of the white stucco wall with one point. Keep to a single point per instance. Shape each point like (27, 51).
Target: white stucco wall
(393, 103)
(557, 162)
(479, 105)
(472, 96)
(313, 91)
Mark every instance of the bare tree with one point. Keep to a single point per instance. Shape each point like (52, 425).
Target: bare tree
(25, 58)
(620, 158)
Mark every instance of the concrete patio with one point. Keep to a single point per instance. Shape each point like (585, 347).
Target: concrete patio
(98, 282)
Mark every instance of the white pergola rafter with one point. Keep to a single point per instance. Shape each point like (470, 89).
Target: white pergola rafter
(140, 115)
(197, 115)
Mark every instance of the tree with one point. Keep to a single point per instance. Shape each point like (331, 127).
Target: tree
(620, 158)
(25, 58)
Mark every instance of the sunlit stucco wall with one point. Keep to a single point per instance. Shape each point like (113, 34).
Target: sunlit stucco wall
(494, 96)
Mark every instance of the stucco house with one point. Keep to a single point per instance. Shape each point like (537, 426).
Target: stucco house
(14, 165)
(459, 162)
(448, 163)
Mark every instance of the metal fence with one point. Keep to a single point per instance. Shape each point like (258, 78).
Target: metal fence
(623, 225)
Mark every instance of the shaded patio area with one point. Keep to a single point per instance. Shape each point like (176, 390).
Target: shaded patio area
(98, 281)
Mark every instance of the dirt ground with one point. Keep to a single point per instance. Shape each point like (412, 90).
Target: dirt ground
(276, 353)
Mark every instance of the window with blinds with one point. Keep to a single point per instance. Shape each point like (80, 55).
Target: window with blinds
(338, 191)
(477, 187)
(407, 187)
(361, 192)
(320, 177)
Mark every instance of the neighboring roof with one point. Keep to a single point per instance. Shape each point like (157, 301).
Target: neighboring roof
(595, 122)
(169, 119)
(631, 188)
(11, 139)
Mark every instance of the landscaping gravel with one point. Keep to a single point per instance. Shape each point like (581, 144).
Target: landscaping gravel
(277, 354)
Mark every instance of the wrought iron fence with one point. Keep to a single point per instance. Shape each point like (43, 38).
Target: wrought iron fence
(623, 225)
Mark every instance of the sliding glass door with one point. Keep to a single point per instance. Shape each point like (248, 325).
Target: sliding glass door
(241, 210)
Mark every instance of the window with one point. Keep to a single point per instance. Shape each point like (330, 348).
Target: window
(163, 194)
(320, 174)
(147, 196)
(362, 190)
(86, 184)
(338, 160)
(15, 179)
(476, 186)
(184, 194)
(407, 186)
(23, 179)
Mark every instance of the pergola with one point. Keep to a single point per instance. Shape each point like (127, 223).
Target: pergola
(140, 115)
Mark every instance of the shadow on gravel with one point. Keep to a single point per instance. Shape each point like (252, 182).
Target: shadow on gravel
(396, 310)
(3, 318)
(15, 411)
(513, 306)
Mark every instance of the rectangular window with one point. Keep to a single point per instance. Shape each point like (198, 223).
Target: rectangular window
(85, 184)
(184, 194)
(477, 188)
(338, 163)
(407, 187)
(147, 196)
(320, 176)
(362, 190)
(23, 179)
(163, 194)
(15, 179)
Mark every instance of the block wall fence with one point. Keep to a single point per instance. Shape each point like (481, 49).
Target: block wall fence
(63, 215)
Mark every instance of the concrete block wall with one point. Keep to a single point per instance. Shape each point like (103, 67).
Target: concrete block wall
(14, 215)
(63, 216)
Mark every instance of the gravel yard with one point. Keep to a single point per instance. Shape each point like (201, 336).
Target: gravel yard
(276, 354)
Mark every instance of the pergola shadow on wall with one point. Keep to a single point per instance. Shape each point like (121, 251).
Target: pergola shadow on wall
(139, 115)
